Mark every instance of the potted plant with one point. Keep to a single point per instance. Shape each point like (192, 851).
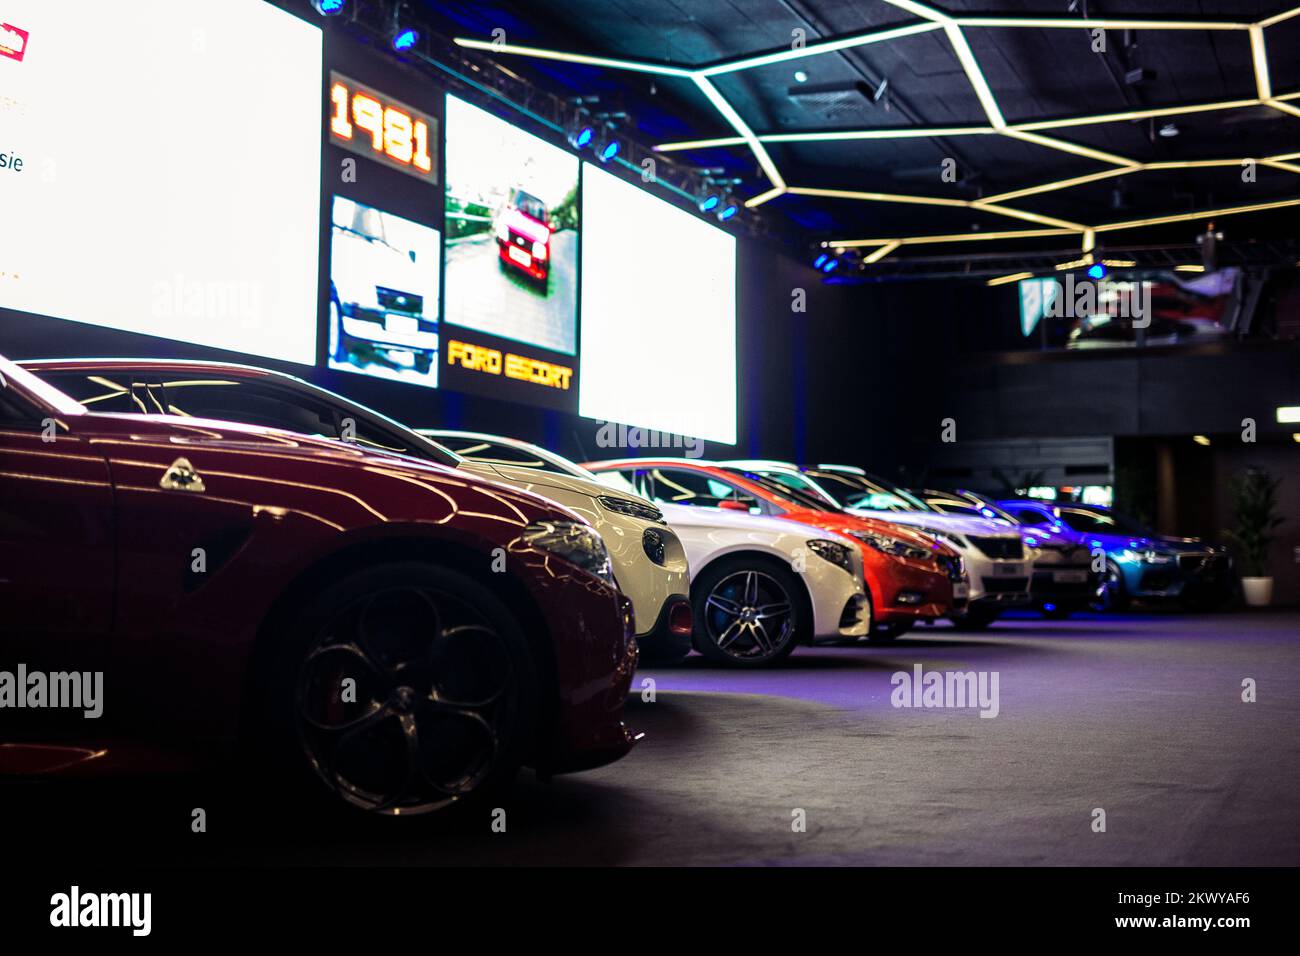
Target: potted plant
(1254, 498)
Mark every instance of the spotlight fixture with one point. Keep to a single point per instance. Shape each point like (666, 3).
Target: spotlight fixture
(1097, 271)
(707, 197)
(581, 132)
(728, 210)
(1169, 130)
(800, 76)
(1201, 439)
(606, 144)
(830, 265)
(329, 8)
(402, 37)
(820, 261)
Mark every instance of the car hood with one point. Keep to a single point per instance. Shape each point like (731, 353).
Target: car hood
(693, 516)
(181, 432)
(958, 524)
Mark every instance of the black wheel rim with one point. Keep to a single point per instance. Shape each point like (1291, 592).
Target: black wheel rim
(421, 725)
(749, 616)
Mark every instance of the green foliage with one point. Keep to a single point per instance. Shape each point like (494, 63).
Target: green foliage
(1254, 499)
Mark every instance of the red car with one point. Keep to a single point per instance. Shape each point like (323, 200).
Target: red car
(909, 576)
(523, 231)
(379, 632)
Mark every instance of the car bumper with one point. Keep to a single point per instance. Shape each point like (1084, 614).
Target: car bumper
(670, 637)
(904, 591)
(1066, 587)
(370, 327)
(995, 581)
(537, 268)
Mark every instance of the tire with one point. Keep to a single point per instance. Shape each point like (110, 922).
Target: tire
(1113, 595)
(975, 620)
(445, 695)
(727, 595)
(887, 633)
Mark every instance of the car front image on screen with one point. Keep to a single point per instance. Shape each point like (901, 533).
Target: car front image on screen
(512, 231)
(658, 313)
(383, 310)
(176, 194)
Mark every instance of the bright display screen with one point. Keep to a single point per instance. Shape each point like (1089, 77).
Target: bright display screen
(161, 170)
(512, 231)
(658, 314)
(373, 125)
(383, 310)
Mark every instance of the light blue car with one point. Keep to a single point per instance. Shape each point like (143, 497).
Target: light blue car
(1140, 564)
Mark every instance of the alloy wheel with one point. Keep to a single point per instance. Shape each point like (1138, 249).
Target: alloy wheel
(402, 699)
(749, 616)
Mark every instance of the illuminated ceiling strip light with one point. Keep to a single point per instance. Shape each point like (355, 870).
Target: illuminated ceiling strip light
(731, 116)
(1281, 157)
(1119, 263)
(700, 144)
(1058, 184)
(1189, 268)
(831, 136)
(921, 10)
(1277, 164)
(1027, 216)
(819, 48)
(1284, 107)
(764, 197)
(1105, 23)
(975, 75)
(1074, 263)
(1258, 53)
(1190, 216)
(1192, 164)
(956, 237)
(1288, 96)
(880, 253)
(877, 197)
(1074, 148)
(1089, 239)
(636, 66)
(1101, 118)
(1014, 277)
(1280, 17)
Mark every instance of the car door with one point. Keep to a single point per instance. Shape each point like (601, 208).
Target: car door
(57, 561)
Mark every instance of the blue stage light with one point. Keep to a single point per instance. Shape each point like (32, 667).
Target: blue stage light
(405, 38)
(820, 261)
(329, 8)
(1097, 271)
(727, 211)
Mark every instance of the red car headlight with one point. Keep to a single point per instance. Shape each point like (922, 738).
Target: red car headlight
(540, 251)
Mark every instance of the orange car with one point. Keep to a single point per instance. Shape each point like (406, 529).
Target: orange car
(909, 576)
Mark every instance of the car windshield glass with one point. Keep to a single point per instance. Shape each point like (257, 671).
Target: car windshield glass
(530, 206)
(796, 496)
(867, 492)
(1089, 521)
(488, 451)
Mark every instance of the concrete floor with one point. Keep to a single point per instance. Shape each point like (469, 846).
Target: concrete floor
(1140, 715)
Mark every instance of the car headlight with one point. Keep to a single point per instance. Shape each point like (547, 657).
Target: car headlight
(832, 551)
(652, 542)
(576, 543)
(891, 546)
(539, 251)
(503, 231)
(632, 509)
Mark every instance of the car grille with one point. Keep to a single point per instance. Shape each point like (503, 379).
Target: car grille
(852, 613)
(999, 547)
(1201, 562)
(1000, 585)
(391, 300)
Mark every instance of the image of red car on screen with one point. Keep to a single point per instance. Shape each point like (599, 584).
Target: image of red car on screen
(523, 231)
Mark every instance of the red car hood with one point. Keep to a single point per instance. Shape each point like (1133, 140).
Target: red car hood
(527, 226)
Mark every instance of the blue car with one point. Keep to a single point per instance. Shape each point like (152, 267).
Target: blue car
(1140, 564)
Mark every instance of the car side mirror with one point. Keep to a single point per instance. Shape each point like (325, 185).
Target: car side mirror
(736, 504)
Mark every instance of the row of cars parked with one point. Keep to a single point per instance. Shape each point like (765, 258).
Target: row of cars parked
(394, 620)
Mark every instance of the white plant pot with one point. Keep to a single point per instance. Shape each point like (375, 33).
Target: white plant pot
(1258, 591)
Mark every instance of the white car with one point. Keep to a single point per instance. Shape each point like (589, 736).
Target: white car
(761, 586)
(649, 561)
(997, 564)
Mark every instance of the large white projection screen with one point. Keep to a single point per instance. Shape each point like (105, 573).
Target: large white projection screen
(658, 314)
(169, 174)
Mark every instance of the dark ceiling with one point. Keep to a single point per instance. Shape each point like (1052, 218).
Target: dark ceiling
(1034, 74)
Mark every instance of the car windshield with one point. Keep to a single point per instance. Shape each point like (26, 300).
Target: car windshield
(866, 492)
(491, 451)
(1092, 521)
(799, 496)
(530, 206)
